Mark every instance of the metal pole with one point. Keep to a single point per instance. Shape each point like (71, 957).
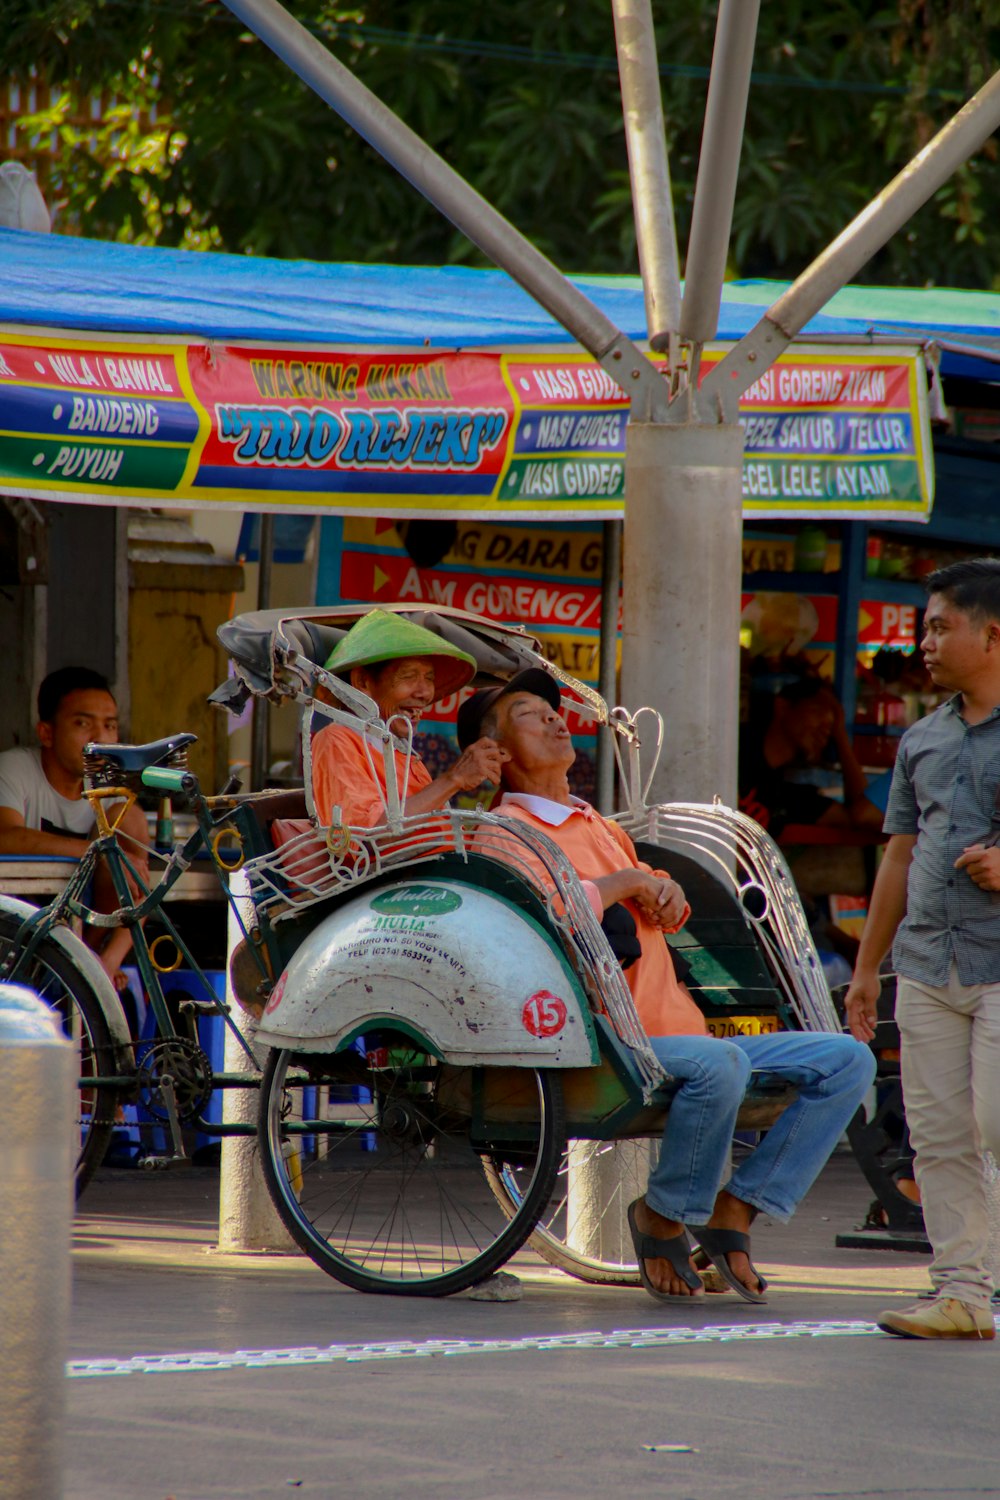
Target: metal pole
(260, 742)
(652, 200)
(718, 167)
(873, 227)
(681, 588)
(247, 1218)
(607, 683)
(449, 192)
(39, 1138)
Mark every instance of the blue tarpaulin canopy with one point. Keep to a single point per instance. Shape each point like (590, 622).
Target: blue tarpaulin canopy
(57, 281)
(177, 376)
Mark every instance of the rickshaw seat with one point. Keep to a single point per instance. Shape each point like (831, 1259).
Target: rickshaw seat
(729, 973)
(261, 810)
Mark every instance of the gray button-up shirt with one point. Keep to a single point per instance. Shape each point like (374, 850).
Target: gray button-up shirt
(943, 789)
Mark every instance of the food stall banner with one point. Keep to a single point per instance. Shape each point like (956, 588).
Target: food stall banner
(502, 435)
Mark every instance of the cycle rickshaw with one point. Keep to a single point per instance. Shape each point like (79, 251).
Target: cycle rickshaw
(452, 1065)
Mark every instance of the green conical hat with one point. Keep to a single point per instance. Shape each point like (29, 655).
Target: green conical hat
(379, 636)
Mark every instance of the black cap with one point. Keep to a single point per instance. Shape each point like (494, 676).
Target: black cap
(532, 680)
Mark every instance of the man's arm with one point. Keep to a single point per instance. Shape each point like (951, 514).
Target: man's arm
(661, 899)
(17, 838)
(344, 777)
(480, 762)
(885, 912)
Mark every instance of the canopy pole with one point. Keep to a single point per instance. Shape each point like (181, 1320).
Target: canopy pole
(649, 170)
(919, 180)
(260, 743)
(607, 683)
(718, 168)
(441, 185)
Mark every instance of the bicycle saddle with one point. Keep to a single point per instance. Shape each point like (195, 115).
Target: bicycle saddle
(137, 757)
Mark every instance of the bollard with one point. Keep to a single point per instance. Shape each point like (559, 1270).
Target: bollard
(247, 1219)
(601, 1186)
(39, 1138)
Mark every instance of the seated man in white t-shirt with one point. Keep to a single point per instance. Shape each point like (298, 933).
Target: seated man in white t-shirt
(42, 806)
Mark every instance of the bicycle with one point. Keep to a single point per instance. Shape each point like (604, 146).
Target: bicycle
(167, 1075)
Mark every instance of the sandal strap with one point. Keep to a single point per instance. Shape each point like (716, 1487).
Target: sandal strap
(676, 1250)
(722, 1241)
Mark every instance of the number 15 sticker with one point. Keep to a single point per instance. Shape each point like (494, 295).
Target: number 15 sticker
(544, 1014)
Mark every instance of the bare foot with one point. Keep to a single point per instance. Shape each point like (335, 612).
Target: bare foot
(733, 1213)
(660, 1272)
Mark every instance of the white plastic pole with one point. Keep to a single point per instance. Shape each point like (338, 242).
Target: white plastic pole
(247, 1219)
(39, 1140)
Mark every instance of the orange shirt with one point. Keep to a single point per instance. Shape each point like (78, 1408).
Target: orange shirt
(344, 776)
(594, 846)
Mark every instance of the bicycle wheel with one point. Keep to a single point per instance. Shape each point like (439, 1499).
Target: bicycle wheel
(50, 972)
(374, 1162)
(583, 1229)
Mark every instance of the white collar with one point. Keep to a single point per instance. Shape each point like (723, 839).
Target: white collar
(543, 808)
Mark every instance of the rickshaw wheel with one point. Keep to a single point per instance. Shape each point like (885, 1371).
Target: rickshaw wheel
(599, 1250)
(374, 1162)
(50, 972)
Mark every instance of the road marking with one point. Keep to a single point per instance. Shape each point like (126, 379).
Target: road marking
(622, 1338)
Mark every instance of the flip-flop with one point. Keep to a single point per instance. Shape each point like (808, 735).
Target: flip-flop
(676, 1250)
(717, 1245)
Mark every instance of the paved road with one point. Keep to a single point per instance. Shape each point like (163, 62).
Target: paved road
(198, 1375)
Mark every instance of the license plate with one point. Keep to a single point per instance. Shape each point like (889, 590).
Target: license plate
(740, 1025)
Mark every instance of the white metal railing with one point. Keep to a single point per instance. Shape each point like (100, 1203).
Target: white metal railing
(738, 851)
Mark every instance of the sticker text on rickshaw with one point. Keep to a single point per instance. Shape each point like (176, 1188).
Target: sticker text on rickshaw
(544, 1014)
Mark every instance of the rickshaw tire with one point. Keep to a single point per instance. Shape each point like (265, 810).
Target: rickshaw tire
(553, 1249)
(53, 976)
(512, 1237)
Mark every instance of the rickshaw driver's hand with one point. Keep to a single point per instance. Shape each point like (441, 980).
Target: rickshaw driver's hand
(861, 1004)
(481, 762)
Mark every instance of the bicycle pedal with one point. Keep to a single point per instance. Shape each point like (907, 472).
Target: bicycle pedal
(164, 1163)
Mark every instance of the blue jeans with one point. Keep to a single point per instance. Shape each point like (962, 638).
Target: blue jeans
(831, 1073)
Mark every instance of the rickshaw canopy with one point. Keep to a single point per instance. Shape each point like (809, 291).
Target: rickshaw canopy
(135, 373)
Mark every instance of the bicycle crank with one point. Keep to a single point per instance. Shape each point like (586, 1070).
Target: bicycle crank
(174, 1084)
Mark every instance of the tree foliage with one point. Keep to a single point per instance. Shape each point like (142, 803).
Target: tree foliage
(214, 143)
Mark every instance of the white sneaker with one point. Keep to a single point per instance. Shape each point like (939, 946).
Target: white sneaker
(942, 1318)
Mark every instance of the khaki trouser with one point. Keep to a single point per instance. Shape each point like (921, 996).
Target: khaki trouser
(951, 1088)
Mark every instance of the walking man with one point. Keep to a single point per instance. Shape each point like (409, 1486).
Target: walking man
(936, 896)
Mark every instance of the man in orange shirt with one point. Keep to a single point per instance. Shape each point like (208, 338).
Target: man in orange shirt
(830, 1072)
(405, 669)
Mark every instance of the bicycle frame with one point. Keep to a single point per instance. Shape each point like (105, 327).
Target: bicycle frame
(138, 900)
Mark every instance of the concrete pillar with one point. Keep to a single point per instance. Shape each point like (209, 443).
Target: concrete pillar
(681, 600)
(603, 1181)
(247, 1219)
(39, 1139)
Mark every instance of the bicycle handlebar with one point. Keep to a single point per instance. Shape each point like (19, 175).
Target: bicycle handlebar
(163, 779)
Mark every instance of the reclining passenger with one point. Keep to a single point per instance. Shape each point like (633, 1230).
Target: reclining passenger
(405, 669)
(830, 1072)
